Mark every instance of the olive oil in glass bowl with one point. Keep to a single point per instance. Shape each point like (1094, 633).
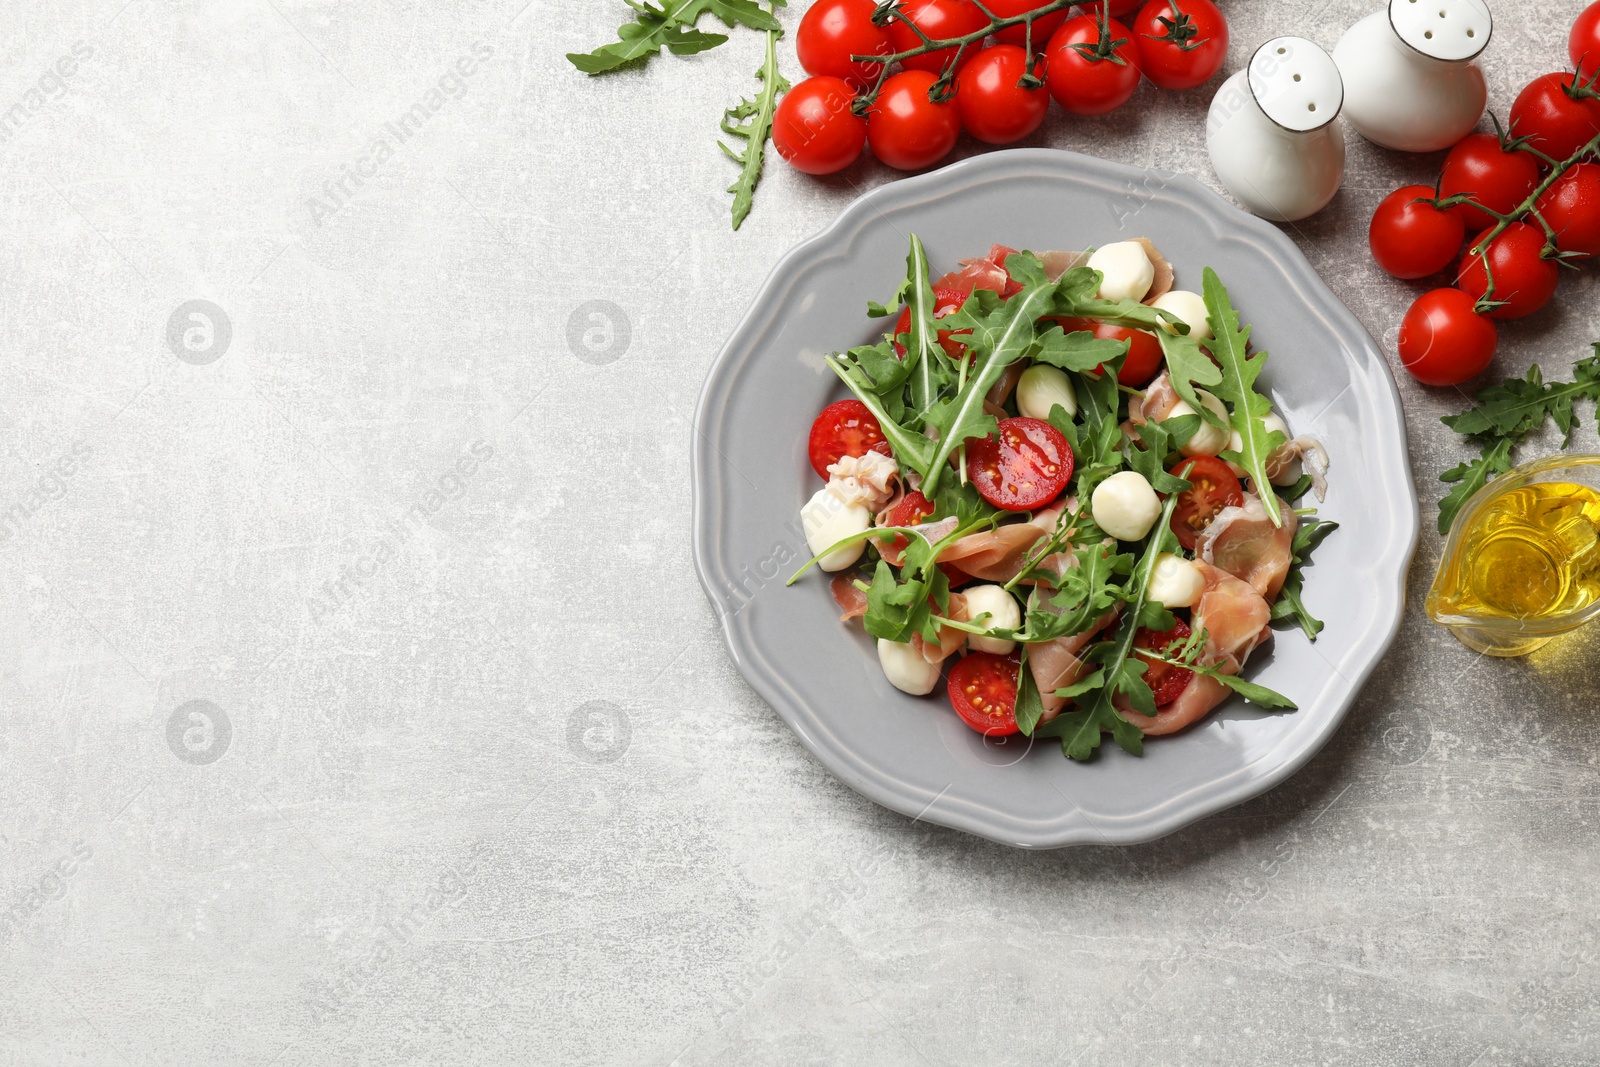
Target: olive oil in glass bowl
(1522, 564)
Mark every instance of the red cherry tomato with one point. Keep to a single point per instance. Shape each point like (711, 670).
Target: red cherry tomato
(993, 107)
(906, 129)
(1022, 467)
(1091, 84)
(1119, 8)
(1572, 208)
(912, 509)
(940, 20)
(1523, 278)
(983, 691)
(1443, 340)
(1043, 27)
(1187, 49)
(834, 30)
(1166, 682)
(1212, 487)
(944, 302)
(813, 128)
(845, 428)
(1558, 124)
(1497, 179)
(1144, 350)
(1583, 45)
(1411, 238)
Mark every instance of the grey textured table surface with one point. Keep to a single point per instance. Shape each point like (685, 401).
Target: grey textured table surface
(474, 779)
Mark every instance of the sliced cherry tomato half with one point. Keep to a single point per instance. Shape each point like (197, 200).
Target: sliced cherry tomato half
(1144, 351)
(1022, 467)
(944, 302)
(912, 509)
(1212, 487)
(1165, 681)
(983, 690)
(845, 428)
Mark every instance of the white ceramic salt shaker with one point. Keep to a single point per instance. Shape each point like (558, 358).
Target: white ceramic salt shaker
(1271, 131)
(1410, 82)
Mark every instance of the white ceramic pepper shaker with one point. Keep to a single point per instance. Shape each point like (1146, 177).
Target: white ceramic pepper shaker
(1410, 82)
(1271, 131)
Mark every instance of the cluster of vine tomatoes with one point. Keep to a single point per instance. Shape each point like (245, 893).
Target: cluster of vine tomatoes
(1528, 198)
(998, 91)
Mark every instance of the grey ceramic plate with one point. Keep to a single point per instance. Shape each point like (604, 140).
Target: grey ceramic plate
(912, 754)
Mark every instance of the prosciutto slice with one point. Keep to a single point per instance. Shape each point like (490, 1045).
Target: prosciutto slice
(1243, 542)
(1158, 400)
(951, 640)
(850, 599)
(1161, 285)
(1234, 617)
(998, 555)
(1310, 452)
(1055, 664)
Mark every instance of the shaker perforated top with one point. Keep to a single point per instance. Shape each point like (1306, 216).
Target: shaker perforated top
(1296, 83)
(1451, 30)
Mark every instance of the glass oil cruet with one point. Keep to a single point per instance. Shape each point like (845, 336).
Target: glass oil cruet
(1522, 563)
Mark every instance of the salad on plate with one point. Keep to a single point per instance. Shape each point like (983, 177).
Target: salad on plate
(1057, 488)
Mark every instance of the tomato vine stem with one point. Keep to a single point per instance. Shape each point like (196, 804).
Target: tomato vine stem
(940, 91)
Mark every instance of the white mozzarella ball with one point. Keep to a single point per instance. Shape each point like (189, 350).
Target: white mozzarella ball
(826, 520)
(906, 668)
(1041, 388)
(1208, 440)
(1125, 506)
(1004, 614)
(1176, 582)
(1190, 309)
(1236, 444)
(1126, 270)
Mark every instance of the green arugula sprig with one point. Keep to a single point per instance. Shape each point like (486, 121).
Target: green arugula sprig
(1229, 347)
(1504, 415)
(1187, 656)
(1289, 607)
(751, 121)
(671, 24)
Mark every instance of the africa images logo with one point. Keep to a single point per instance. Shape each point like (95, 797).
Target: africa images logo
(451, 85)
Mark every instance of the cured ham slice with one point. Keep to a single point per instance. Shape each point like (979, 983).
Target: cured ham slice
(951, 640)
(1157, 402)
(1243, 542)
(1055, 664)
(974, 274)
(998, 555)
(893, 548)
(1234, 617)
(849, 598)
(1310, 452)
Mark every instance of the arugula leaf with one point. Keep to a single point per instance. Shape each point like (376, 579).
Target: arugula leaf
(910, 448)
(1030, 706)
(1085, 593)
(923, 350)
(1256, 694)
(671, 24)
(752, 121)
(1079, 350)
(1159, 440)
(1237, 388)
(1003, 331)
(1080, 729)
(879, 363)
(1470, 476)
(962, 502)
(1097, 445)
(1189, 366)
(1506, 414)
(1289, 607)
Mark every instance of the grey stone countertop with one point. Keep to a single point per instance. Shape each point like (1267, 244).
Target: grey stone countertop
(361, 704)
